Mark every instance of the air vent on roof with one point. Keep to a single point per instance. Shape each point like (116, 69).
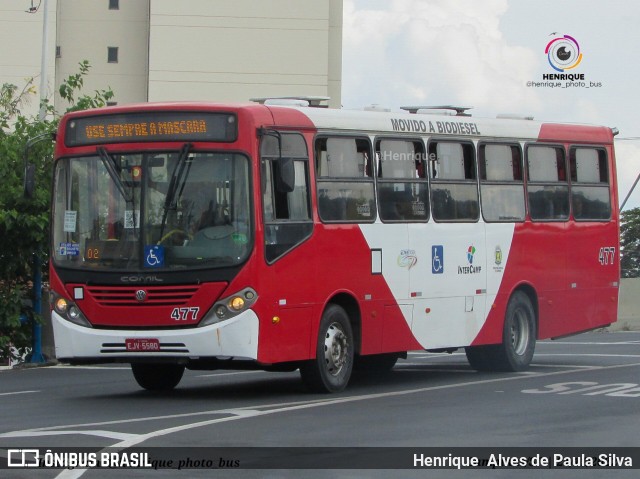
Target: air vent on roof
(313, 101)
(513, 116)
(459, 110)
(376, 107)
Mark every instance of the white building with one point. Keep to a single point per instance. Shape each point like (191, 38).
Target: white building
(163, 50)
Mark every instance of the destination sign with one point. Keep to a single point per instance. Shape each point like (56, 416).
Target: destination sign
(151, 126)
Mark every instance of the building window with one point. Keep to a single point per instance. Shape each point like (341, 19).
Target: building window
(114, 5)
(58, 51)
(112, 54)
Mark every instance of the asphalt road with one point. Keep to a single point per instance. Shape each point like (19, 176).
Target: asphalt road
(582, 391)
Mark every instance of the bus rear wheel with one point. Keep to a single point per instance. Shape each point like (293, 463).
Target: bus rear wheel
(518, 340)
(331, 369)
(157, 377)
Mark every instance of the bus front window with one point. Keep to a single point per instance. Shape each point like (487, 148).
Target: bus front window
(152, 211)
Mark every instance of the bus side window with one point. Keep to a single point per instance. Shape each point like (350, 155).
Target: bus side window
(403, 193)
(501, 185)
(345, 179)
(453, 181)
(590, 199)
(547, 185)
(287, 216)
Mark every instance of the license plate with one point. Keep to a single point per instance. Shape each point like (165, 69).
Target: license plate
(142, 345)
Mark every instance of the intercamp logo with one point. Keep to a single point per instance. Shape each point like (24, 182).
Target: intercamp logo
(23, 458)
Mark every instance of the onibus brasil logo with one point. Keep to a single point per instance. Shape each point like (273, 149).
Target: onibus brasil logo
(563, 53)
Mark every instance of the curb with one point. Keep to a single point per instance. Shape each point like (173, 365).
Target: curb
(49, 362)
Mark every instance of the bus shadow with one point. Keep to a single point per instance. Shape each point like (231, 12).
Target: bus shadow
(289, 386)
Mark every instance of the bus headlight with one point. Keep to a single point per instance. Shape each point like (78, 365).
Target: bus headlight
(61, 305)
(74, 313)
(227, 308)
(236, 303)
(68, 310)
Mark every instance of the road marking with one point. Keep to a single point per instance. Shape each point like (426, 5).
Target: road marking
(18, 392)
(536, 365)
(428, 368)
(142, 419)
(256, 411)
(69, 367)
(121, 436)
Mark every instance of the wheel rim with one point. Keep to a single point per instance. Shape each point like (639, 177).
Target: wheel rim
(520, 332)
(336, 349)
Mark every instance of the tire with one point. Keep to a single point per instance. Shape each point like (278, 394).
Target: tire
(518, 340)
(376, 362)
(479, 357)
(519, 335)
(331, 369)
(157, 377)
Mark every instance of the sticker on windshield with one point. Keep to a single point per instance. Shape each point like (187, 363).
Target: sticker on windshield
(239, 238)
(70, 219)
(131, 219)
(154, 256)
(69, 249)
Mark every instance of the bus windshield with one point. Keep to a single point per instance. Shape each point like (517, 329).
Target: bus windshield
(154, 210)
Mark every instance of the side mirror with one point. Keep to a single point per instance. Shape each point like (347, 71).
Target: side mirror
(29, 181)
(29, 184)
(286, 175)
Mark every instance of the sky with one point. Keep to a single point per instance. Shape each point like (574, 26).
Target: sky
(482, 53)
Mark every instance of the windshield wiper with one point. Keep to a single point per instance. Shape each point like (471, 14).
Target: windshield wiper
(110, 166)
(174, 183)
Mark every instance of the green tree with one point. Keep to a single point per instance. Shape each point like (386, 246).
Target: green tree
(24, 223)
(630, 243)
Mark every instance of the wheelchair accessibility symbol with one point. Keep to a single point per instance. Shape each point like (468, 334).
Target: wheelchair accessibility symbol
(437, 259)
(154, 256)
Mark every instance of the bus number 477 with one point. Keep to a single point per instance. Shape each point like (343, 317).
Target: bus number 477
(185, 314)
(607, 255)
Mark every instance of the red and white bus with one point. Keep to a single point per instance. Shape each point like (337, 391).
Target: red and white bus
(208, 236)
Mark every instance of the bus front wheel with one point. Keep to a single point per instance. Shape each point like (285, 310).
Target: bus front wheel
(518, 340)
(331, 369)
(157, 377)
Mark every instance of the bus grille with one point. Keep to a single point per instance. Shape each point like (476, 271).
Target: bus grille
(130, 295)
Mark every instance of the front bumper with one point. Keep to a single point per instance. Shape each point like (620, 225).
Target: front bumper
(236, 337)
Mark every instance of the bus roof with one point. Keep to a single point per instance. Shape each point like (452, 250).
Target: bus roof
(418, 124)
(384, 122)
